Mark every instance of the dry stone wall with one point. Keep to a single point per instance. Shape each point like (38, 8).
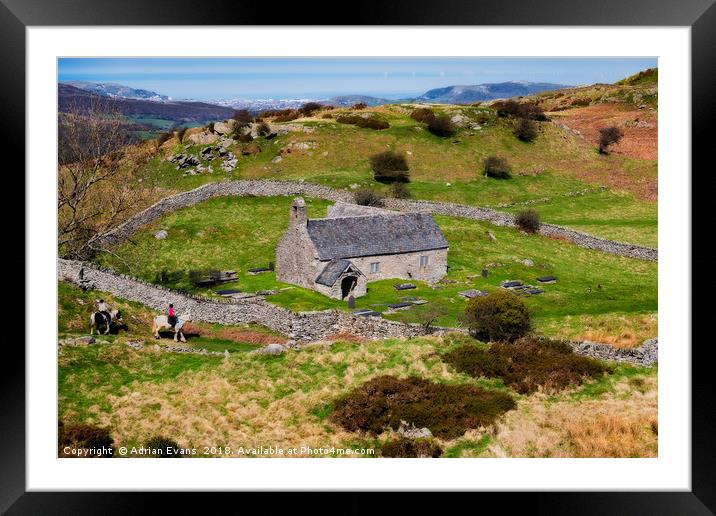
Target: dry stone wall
(645, 355)
(281, 188)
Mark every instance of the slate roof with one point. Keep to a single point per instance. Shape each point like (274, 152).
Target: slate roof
(375, 235)
(332, 272)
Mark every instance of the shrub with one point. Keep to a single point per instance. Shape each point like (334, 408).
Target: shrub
(367, 197)
(525, 129)
(287, 117)
(422, 115)
(506, 107)
(309, 108)
(447, 410)
(348, 119)
(359, 105)
(242, 117)
(91, 438)
(497, 168)
(169, 447)
(400, 191)
(418, 448)
(498, 316)
(390, 166)
(372, 123)
(528, 221)
(210, 127)
(163, 137)
(527, 364)
(244, 137)
(609, 136)
(327, 115)
(263, 129)
(441, 125)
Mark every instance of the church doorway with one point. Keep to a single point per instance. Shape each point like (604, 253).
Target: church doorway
(347, 285)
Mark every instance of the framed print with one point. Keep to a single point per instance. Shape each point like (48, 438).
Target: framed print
(451, 252)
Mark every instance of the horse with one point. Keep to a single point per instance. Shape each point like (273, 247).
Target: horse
(98, 319)
(161, 323)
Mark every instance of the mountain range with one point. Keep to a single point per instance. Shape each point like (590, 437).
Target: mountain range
(479, 92)
(71, 97)
(459, 94)
(111, 89)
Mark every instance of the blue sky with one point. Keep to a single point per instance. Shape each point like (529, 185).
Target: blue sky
(250, 78)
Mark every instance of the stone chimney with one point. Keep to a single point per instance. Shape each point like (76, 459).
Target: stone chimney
(298, 213)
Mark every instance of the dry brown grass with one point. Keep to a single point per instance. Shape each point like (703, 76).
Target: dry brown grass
(625, 339)
(623, 423)
(618, 329)
(236, 334)
(561, 238)
(346, 337)
(613, 435)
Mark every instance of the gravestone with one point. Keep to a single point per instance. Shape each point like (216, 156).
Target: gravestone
(351, 302)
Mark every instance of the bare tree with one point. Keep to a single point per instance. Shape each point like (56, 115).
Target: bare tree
(97, 175)
(429, 315)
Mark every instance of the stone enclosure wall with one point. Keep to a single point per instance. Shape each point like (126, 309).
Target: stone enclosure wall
(279, 188)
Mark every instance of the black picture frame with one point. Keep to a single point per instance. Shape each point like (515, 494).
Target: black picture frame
(700, 15)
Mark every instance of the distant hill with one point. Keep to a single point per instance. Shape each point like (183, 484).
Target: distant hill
(111, 89)
(479, 92)
(349, 100)
(69, 96)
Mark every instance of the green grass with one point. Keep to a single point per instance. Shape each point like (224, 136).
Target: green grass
(449, 169)
(241, 233)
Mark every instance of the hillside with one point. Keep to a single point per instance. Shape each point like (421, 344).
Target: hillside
(560, 173)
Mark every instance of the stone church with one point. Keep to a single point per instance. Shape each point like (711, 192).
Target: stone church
(337, 256)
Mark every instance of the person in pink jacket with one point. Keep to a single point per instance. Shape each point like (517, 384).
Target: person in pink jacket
(171, 316)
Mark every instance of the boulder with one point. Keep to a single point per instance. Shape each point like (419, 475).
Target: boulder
(225, 127)
(78, 341)
(409, 431)
(271, 349)
(161, 234)
(203, 138)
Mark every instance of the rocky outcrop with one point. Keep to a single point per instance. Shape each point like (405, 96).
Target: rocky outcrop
(281, 188)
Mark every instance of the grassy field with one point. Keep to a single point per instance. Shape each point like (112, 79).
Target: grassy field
(554, 166)
(241, 233)
(286, 400)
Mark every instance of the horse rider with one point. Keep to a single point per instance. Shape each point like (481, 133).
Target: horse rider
(104, 310)
(171, 316)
